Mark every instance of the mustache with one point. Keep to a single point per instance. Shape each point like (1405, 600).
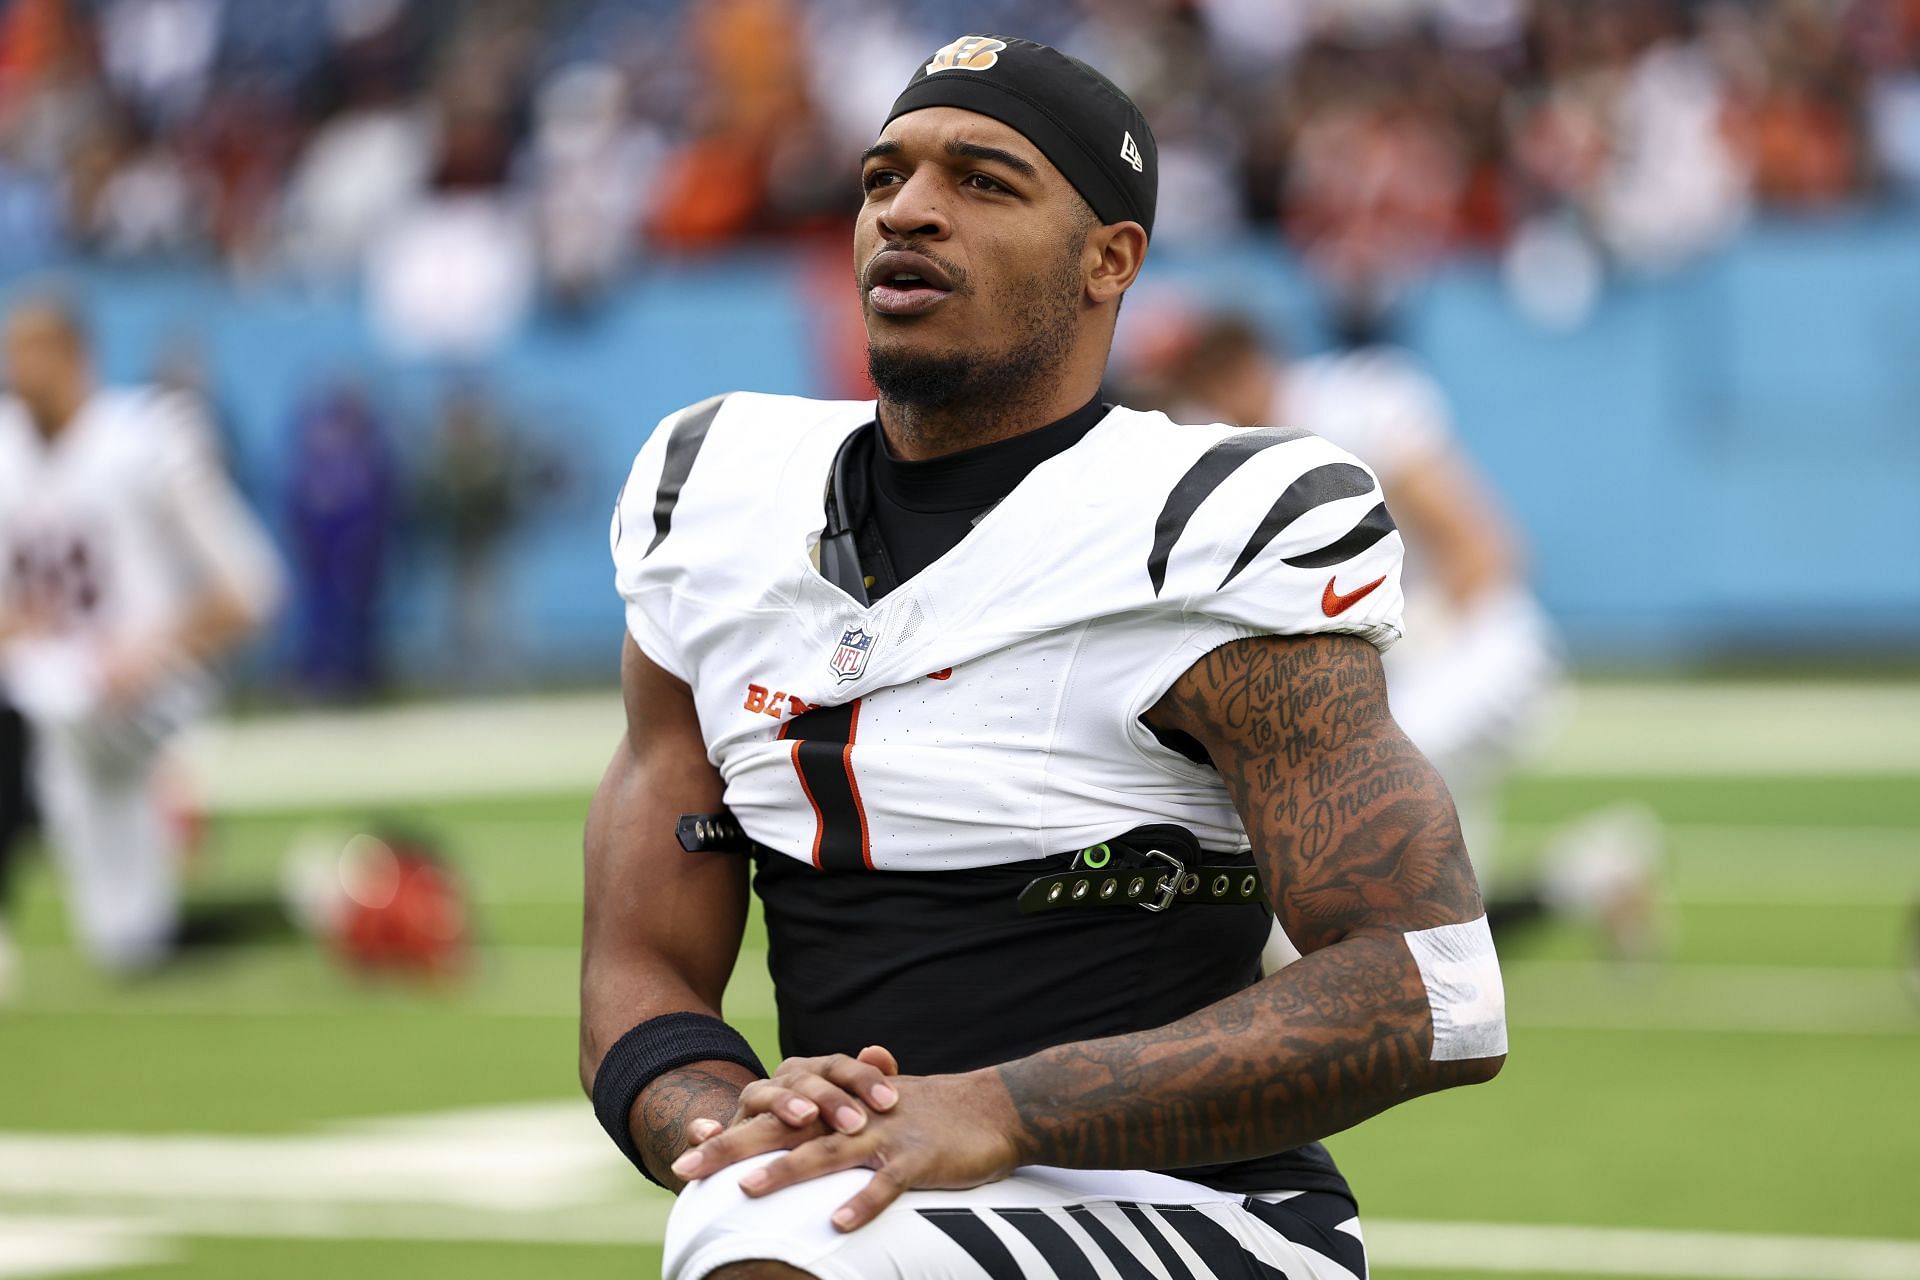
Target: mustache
(957, 276)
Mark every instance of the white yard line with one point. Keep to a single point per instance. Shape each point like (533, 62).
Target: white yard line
(64, 1246)
(1737, 729)
(1704, 998)
(532, 745)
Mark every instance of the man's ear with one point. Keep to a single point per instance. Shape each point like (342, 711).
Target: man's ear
(1115, 252)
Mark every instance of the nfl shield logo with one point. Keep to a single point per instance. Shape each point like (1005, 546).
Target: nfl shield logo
(850, 659)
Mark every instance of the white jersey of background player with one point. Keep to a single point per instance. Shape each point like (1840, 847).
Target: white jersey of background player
(1479, 675)
(128, 565)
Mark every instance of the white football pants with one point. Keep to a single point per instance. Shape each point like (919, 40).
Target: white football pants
(113, 844)
(1039, 1222)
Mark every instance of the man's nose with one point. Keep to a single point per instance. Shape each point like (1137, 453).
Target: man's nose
(917, 210)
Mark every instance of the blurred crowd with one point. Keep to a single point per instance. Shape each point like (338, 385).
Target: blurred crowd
(469, 156)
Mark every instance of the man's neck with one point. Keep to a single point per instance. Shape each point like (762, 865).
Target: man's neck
(54, 418)
(916, 432)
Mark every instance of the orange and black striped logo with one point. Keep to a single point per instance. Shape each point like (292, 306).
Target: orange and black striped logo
(968, 53)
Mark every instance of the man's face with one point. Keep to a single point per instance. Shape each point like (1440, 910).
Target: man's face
(41, 355)
(991, 229)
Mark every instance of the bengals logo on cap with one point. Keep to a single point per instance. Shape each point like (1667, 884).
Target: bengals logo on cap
(968, 53)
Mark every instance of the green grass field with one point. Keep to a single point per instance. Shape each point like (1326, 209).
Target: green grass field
(261, 1113)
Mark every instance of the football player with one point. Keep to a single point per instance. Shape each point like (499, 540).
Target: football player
(1028, 713)
(1480, 674)
(128, 568)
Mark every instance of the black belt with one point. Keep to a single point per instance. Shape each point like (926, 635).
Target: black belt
(1152, 867)
(1153, 889)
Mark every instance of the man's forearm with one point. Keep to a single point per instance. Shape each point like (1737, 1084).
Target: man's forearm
(672, 1101)
(1319, 1046)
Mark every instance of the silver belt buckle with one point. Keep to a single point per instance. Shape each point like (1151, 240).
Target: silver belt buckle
(1169, 885)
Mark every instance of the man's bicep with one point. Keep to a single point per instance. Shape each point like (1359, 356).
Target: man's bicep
(1352, 827)
(648, 901)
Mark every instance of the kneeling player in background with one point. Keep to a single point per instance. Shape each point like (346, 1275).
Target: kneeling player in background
(131, 567)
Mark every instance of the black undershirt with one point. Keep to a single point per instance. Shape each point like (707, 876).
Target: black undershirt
(940, 966)
(921, 510)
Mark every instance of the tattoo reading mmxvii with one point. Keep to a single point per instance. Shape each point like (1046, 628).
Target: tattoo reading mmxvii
(1357, 843)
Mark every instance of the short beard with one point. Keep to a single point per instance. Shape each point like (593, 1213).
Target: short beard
(998, 381)
(947, 380)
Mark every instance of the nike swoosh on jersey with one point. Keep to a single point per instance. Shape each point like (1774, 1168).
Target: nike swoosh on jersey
(1333, 604)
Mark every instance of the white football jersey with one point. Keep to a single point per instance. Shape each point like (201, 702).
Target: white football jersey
(988, 709)
(109, 530)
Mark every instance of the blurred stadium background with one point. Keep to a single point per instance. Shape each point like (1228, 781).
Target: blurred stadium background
(437, 269)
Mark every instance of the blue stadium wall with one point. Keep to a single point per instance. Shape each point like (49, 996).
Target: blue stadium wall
(1721, 463)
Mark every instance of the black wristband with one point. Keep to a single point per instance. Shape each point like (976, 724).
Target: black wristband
(652, 1049)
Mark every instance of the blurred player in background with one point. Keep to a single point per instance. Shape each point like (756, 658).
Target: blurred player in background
(129, 568)
(1476, 679)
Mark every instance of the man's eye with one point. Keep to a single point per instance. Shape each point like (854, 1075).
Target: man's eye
(880, 178)
(982, 182)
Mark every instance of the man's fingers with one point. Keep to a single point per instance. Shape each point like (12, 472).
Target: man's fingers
(750, 1137)
(829, 1154)
(698, 1131)
(766, 1097)
(864, 1078)
(881, 1190)
(882, 1094)
(842, 1110)
(842, 1087)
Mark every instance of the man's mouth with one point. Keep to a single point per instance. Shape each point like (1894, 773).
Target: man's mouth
(903, 283)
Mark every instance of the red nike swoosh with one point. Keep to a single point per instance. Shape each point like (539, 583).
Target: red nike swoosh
(1333, 604)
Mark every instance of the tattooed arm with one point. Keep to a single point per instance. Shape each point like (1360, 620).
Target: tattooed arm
(1357, 844)
(662, 926)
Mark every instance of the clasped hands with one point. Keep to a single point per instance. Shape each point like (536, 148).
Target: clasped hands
(839, 1112)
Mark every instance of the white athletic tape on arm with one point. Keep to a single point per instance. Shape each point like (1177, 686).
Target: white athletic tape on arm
(1462, 975)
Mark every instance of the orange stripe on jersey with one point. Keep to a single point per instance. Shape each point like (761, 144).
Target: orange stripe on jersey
(819, 818)
(853, 785)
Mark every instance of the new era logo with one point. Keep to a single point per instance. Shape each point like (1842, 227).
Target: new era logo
(1130, 152)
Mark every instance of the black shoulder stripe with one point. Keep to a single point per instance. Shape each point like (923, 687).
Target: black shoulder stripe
(1373, 526)
(688, 435)
(1316, 488)
(1208, 473)
(619, 520)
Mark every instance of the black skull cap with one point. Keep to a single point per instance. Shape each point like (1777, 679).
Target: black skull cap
(1080, 120)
